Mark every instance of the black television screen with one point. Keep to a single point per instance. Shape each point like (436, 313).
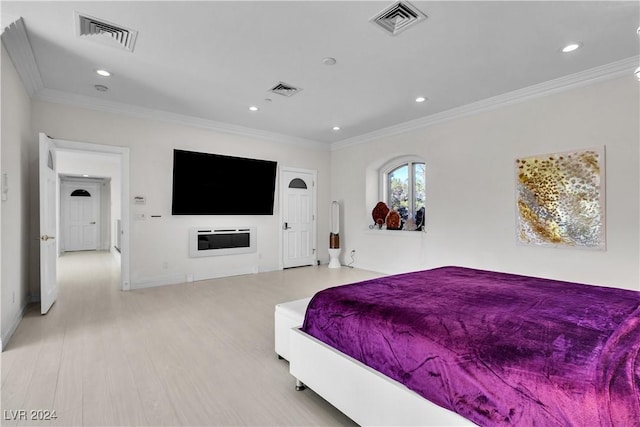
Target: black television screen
(212, 184)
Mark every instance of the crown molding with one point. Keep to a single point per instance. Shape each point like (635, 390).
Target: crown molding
(594, 75)
(6, 20)
(16, 41)
(91, 103)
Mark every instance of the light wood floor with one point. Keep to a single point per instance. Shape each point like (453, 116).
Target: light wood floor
(191, 354)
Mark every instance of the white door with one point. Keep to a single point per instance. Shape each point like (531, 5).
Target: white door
(80, 215)
(298, 215)
(48, 251)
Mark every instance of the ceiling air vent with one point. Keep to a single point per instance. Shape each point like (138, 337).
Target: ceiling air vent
(285, 89)
(398, 17)
(105, 32)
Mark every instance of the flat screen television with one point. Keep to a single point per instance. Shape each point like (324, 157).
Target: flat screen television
(213, 184)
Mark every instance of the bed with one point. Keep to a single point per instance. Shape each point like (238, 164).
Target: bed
(464, 345)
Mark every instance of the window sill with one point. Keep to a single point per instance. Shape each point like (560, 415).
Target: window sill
(400, 233)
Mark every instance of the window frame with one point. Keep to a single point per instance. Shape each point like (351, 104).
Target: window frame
(393, 165)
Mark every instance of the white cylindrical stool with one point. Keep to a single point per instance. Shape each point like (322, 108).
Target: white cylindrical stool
(334, 258)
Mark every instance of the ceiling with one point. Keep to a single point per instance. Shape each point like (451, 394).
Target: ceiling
(208, 61)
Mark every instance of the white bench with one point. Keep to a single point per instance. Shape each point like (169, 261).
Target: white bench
(288, 315)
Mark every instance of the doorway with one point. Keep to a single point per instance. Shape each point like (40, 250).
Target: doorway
(299, 212)
(85, 207)
(80, 159)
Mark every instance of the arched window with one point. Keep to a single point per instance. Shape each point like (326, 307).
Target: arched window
(80, 193)
(297, 183)
(403, 187)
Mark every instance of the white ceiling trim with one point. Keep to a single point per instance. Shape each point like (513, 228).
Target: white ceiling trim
(6, 20)
(74, 100)
(613, 70)
(19, 48)
(573, 81)
(16, 41)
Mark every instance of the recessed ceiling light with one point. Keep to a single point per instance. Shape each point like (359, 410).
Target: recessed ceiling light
(329, 61)
(571, 47)
(103, 73)
(86, 176)
(336, 128)
(253, 108)
(421, 99)
(637, 73)
(101, 88)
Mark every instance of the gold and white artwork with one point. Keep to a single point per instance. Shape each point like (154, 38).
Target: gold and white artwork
(560, 199)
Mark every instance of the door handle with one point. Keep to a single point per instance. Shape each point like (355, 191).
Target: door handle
(286, 226)
(45, 238)
(92, 222)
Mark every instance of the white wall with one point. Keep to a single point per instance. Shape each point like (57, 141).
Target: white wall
(159, 246)
(14, 262)
(470, 184)
(471, 193)
(97, 165)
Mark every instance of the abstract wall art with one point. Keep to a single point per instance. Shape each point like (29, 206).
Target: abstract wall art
(560, 199)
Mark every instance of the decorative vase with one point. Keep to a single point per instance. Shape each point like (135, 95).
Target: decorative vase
(334, 236)
(379, 213)
(393, 220)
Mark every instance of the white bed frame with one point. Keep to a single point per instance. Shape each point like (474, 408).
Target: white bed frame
(366, 396)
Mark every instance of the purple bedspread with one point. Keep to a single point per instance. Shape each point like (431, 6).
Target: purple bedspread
(499, 349)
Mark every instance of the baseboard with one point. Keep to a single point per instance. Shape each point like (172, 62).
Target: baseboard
(176, 279)
(369, 267)
(158, 281)
(14, 325)
(240, 271)
(268, 268)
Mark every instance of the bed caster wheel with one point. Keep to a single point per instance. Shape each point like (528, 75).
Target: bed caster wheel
(300, 386)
